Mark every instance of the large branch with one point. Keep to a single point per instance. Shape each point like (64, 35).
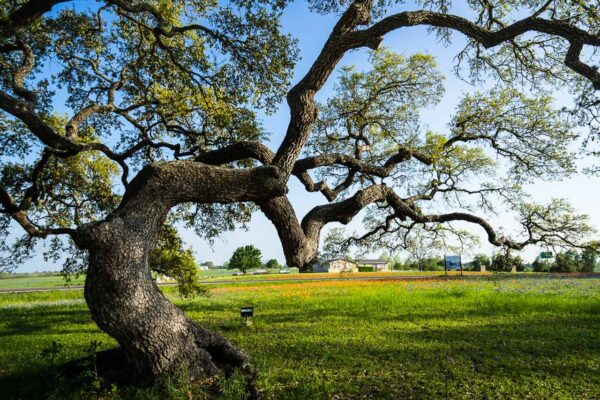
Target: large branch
(575, 36)
(10, 207)
(303, 111)
(298, 248)
(259, 152)
(354, 166)
(237, 152)
(25, 15)
(344, 211)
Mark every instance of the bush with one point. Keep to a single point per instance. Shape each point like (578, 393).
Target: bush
(504, 263)
(589, 260)
(541, 266)
(566, 262)
(431, 264)
(365, 269)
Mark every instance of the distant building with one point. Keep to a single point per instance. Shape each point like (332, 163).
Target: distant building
(203, 268)
(335, 266)
(378, 265)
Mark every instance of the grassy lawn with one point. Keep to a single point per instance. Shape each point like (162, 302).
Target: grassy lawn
(38, 282)
(535, 338)
(32, 282)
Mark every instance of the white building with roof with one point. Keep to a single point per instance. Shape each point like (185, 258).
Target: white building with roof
(377, 265)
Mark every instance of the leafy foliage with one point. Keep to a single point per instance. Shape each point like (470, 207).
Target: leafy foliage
(497, 141)
(567, 261)
(481, 260)
(144, 82)
(589, 258)
(505, 262)
(245, 258)
(171, 259)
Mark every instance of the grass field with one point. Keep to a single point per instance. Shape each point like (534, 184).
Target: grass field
(33, 282)
(496, 338)
(37, 282)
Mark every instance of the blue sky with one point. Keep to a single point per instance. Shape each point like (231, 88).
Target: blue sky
(312, 30)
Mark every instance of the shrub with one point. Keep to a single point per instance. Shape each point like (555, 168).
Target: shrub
(365, 269)
(541, 266)
(589, 260)
(566, 262)
(504, 263)
(431, 264)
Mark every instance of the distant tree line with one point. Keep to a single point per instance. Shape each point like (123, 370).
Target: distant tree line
(569, 261)
(586, 260)
(421, 264)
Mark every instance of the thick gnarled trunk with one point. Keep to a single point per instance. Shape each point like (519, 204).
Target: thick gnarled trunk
(125, 303)
(156, 336)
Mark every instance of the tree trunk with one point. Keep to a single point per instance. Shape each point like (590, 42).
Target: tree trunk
(300, 241)
(299, 249)
(156, 336)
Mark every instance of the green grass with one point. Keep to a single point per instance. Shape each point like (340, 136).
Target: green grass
(33, 282)
(38, 282)
(533, 338)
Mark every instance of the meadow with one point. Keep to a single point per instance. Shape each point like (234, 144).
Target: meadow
(217, 275)
(492, 338)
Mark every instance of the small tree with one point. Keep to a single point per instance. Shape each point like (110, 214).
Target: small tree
(396, 264)
(503, 262)
(589, 258)
(479, 260)
(569, 261)
(170, 258)
(332, 247)
(245, 258)
(272, 264)
(431, 264)
(540, 265)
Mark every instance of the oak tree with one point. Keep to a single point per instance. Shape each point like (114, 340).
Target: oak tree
(245, 258)
(116, 117)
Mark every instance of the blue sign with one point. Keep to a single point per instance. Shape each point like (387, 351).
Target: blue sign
(453, 262)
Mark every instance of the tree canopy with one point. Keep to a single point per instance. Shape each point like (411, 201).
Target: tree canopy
(120, 117)
(245, 258)
(166, 80)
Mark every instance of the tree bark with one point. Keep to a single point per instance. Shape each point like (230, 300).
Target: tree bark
(299, 249)
(156, 336)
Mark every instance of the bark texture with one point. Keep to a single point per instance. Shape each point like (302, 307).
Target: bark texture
(123, 299)
(298, 248)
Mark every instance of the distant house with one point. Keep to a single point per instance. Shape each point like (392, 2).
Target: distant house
(335, 266)
(378, 265)
(203, 268)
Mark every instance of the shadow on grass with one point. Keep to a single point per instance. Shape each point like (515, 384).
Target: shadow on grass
(45, 320)
(496, 353)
